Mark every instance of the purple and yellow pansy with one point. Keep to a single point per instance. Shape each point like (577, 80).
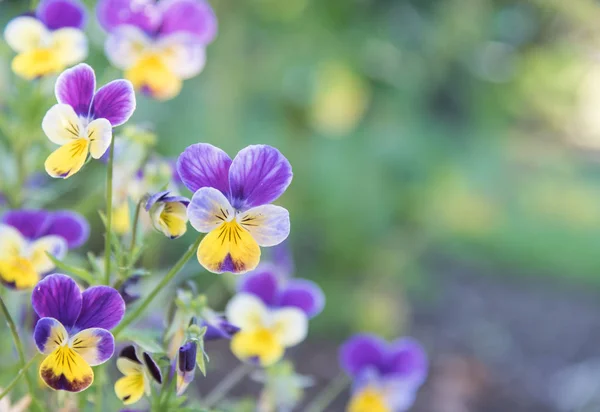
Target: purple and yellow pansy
(82, 121)
(73, 330)
(231, 203)
(49, 40)
(157, 44)
(272, 313)
(27, 235)
(168, 213)
(138, 375)
(386, 376)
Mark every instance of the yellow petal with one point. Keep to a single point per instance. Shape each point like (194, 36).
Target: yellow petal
(261, 344)
(130, 389)
(151, 73)
(66, 370)
(368, 400)
(68, 159)
(18, 272)
(36, 63)
(172, 219)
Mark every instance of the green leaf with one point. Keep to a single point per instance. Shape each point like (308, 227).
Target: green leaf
(75, 271)
(201, 357)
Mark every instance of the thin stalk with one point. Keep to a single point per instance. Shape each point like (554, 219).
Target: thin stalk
(99, 388)
(136, 218)
(109, 188)
(227, 384)
(328, 395)
(22, 371)
(165, 280)
(18, 344)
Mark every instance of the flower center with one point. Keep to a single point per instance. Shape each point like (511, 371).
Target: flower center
(368, 400)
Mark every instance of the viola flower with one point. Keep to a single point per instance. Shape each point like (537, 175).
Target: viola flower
(158, 45)
(386, 375)
(138, 376)
(168, 213)
(231, 203)
(73, 330)
(186, 365)
(82, 121)
(217, 327)
(49, 40)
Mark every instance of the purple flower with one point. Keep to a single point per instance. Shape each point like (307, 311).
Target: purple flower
(231, 203)
(186, 365)
(168, 213)
(217, 327)
(386, 375)
(49, 40)
(82, 121)
(158, 45)
(27, 235)
(138, 375)
(73, 330)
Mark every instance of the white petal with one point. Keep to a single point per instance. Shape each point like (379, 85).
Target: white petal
(208, 209)
(99, 132)
(12, 243)
(61, 124)
(54, 245)
(183, 55)
(25, 33)
(125, 46)
(269, 225)
(290, 325)
(71, 45)
(247, 312)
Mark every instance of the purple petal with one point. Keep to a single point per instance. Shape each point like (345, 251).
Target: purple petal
(140, 13)
(70, 226)
(406, 359)
(115, 102)
(220, 330)
(281, 255)
(152, 367)
(258, 175)
(261, 283)
(56, 14)
(57, 296)
(47, 332)
(103, 307)
(31, 223)
(362, 352)
(75, 87)
(189, 16)
(304, 295)
(204, 165)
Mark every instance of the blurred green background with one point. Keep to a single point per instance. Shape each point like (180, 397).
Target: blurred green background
(419, 132)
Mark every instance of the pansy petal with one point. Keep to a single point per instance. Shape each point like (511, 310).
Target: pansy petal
(182, 53)
(208, 209)
(281, 256)
(61, 124)
(71, 226)
(67, 160)
(258, 175)
(262, 283)
(57, 296)
(31, 223)
(259, 344)
(142, 14)
(152, 367)
(152, 76)
(70, 46)
(269, 225)
(102, 307)
(406, 359)
(49, 334)
(246, 312)
(18, 273)
(229, 248)
(204, 165)
(24, 33)
(94, 345)
(128, 362)
(290, 325)
(125, 46)
(362, 351)
(189, 16)
(304, 295)
(130, 389)
(57, 14)
(114, 102)
(37, 63)
(12, 243)
(65, 369)
(54, 245)
(75, 87)
(171, 219)
(100, 135)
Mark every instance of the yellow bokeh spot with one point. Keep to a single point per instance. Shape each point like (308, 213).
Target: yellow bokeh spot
(368, 400)
(121, 220)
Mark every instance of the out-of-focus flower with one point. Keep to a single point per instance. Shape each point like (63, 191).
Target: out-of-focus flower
(168, 213)
(73, 330)
(283, 387)
(217, 327)
(22, 404)
(82, 121)
(231, 203)
(127, 295)
(138, 376)
(48, 41)
(186, 365)
(386, 376)
(158, 45)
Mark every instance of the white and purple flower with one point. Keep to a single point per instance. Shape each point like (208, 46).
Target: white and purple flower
(73, 330)
(168, 213)
(82, 121)
(158, 44)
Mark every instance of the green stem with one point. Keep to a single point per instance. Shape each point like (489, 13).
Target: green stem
(165, 280)
(136, 218)
(328, 395)
(99, 388)
(18, 344)
(21, 372)
(227, 384)
(109, 187)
